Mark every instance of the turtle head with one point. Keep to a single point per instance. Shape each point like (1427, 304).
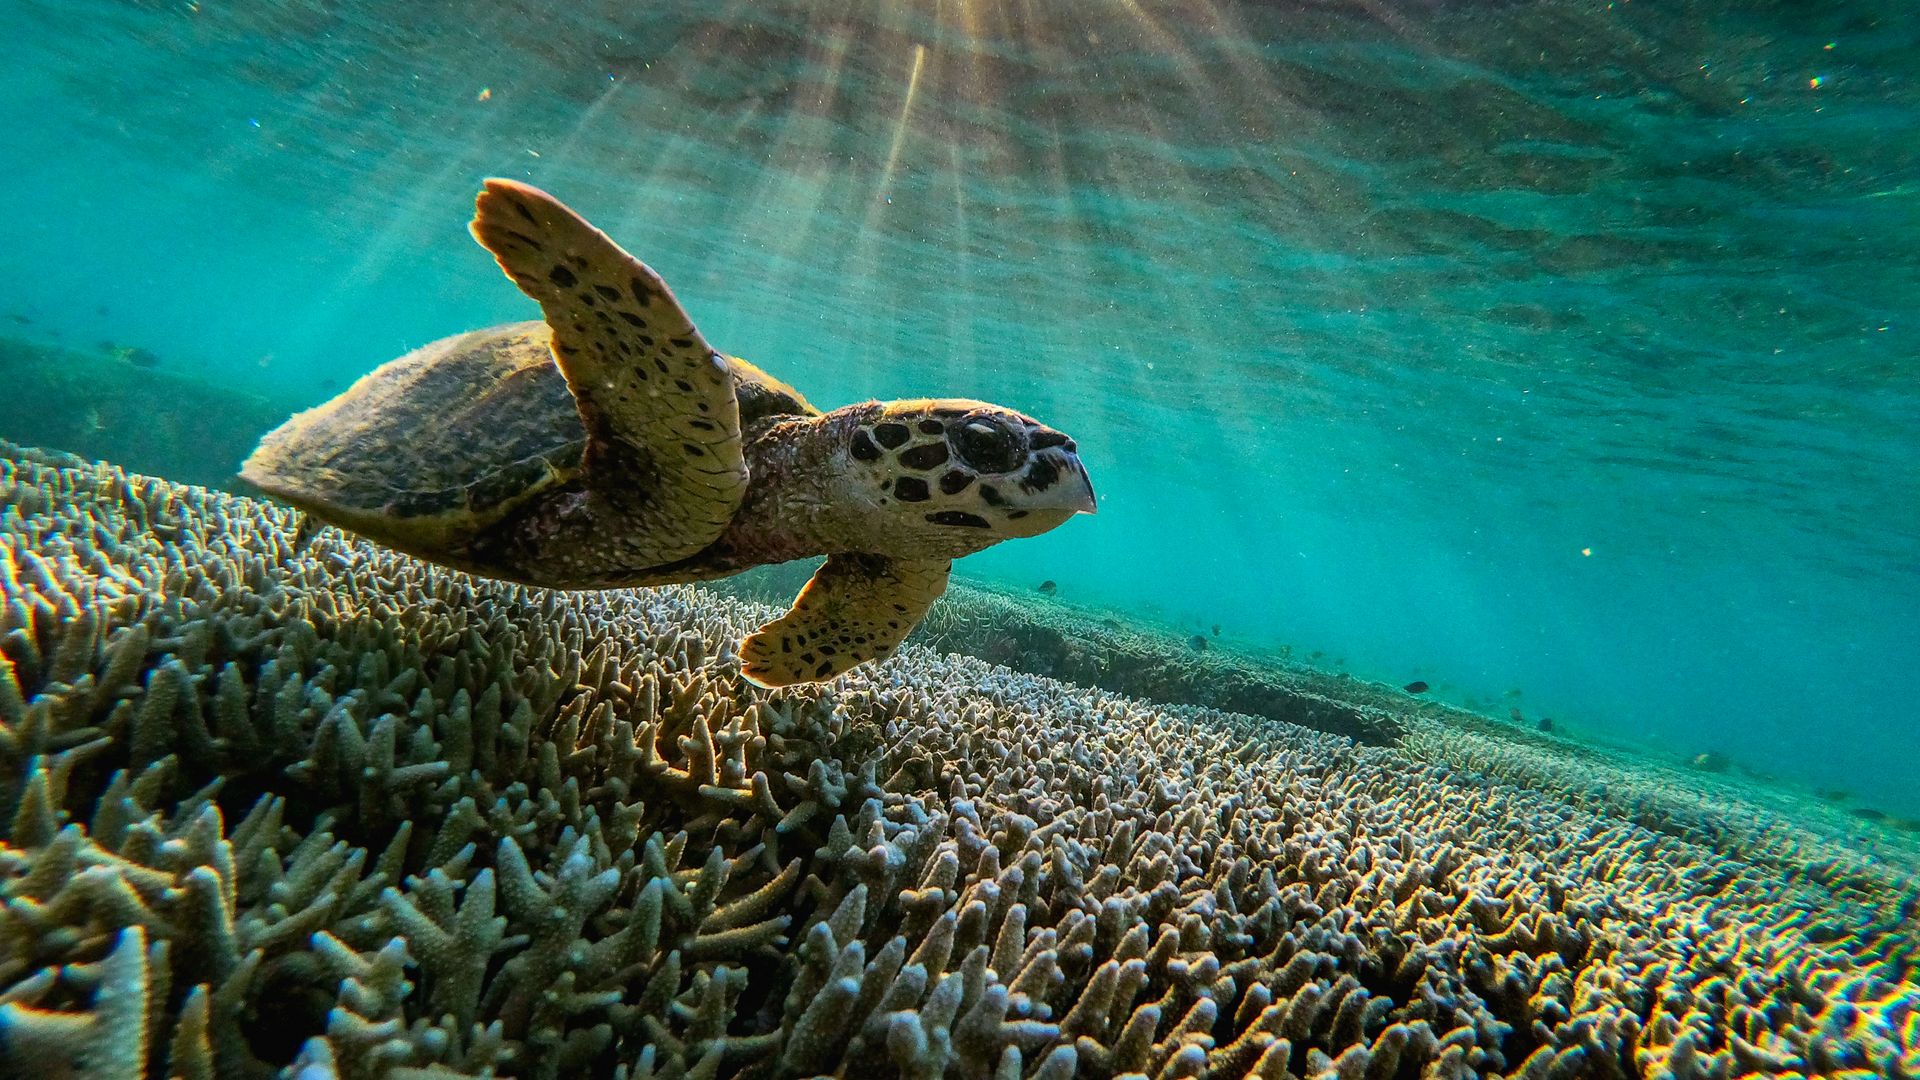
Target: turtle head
(947, 477)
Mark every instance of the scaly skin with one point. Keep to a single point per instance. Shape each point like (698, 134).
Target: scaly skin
(572, 538)
(793, 508)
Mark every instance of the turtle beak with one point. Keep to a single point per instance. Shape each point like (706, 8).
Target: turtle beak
(1071, 489)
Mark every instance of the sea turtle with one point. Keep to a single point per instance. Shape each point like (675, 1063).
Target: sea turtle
(611, 446)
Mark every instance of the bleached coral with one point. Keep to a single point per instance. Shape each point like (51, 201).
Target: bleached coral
(323, 809)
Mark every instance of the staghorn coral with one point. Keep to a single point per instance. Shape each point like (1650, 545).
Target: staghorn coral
(324, 809)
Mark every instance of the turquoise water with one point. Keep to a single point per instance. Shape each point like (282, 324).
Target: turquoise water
(1559, 348)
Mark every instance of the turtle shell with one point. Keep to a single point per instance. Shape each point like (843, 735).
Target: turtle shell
(437, 444)
(430, 449)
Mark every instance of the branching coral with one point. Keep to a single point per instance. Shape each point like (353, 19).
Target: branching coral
(325, 810)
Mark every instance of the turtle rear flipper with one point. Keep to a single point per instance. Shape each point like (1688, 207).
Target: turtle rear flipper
(856, 608)
(658, 403)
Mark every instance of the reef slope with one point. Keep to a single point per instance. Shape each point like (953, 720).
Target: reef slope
(1094, 649)
(327, 807)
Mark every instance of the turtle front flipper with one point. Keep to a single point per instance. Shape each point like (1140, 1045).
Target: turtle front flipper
(856, 608)
(658, 402)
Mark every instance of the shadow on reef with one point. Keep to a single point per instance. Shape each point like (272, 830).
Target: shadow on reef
(1046, 637)
(265, 806)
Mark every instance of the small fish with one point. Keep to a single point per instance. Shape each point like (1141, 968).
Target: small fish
(1047, 588)
(304, 532)
(20, 319)
(1216, 629)
(1199, 642)
(1868, 813)
(1545, 724)
(140, 358)
(1416, 687)
(1514, 715)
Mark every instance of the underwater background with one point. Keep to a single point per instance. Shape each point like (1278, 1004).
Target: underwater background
(1558, 348)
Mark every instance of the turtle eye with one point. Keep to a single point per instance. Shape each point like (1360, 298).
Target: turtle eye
(986, 444)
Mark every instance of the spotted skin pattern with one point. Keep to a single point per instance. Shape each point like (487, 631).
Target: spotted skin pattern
(658, 402)
(961, 475)
(856, 608)
(940, 478)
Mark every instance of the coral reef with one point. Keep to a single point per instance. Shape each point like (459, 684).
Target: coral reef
(315, 807)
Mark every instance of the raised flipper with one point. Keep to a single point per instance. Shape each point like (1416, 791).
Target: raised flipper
(856, 608)
(662, 419)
